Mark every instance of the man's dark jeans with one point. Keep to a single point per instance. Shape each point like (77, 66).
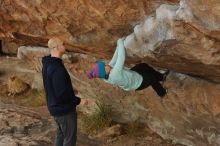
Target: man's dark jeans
(66, 129)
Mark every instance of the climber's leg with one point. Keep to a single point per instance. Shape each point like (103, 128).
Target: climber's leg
(139, 69)
(161, 91)
(165, 75)
(147, 70)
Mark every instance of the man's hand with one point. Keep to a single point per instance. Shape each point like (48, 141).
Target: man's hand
(83, 102)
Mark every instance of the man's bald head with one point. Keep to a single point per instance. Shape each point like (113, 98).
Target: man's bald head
(54, 43)
(56, 46)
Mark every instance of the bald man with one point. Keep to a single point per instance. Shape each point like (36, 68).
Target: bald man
(61, 100)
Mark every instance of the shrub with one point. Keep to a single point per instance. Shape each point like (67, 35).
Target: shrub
(101, 118)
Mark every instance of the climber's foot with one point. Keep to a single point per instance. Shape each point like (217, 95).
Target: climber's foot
(165, 75)
(164, 95)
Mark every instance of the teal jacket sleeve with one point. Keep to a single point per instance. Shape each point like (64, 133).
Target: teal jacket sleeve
(114, 58)
(120, 55)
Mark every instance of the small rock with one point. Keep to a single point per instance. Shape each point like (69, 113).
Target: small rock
(148, 138)
(158, 140)
(111, 132)
(7, 141)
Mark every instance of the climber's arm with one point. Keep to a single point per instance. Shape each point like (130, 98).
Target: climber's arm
(120, 55)
(114, 58)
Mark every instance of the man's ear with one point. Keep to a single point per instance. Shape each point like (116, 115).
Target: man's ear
(55, 48)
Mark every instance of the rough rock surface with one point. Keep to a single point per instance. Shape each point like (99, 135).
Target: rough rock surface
(113, 131)
(42, 132)
(183, 37)
(188, 115)
(9, 47)
(92, 25)
(180, 35)
(20, 126)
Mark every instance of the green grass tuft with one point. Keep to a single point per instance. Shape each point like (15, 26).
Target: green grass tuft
(101, 118)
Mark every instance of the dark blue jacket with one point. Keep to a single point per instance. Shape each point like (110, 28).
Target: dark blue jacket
(58, 87)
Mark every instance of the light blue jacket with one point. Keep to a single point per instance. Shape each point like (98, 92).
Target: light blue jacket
(120, 75)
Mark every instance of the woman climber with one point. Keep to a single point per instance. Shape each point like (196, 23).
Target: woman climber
(138, 77)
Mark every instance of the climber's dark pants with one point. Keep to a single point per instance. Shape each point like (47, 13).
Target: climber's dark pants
(150, 77)
(66, 129)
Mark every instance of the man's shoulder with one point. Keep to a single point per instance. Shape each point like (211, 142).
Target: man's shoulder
(54, 68)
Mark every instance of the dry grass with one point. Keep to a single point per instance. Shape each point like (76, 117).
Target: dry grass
(101, 118)
(16, 86)
(35, 98)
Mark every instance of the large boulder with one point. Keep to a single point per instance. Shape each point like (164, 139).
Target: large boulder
(180, 37)
(183, 37)
(22, 126)
(91, 26)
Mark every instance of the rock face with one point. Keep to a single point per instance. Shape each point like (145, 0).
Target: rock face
(22, 127)
(93, 25)
(189, 114)
(113, 131)
(180, 37)
(9, 47)
(183, 37)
